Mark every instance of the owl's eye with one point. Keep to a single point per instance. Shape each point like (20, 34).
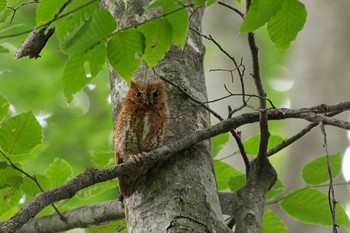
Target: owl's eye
(138, 94)
(156, 94)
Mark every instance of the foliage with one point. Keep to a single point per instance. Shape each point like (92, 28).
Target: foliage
(89, 35)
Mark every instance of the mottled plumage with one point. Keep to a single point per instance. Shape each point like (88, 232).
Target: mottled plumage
(141, 126)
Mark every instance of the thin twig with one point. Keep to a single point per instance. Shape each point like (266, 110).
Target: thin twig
(232, 8)
(233, 132)
(331, 195)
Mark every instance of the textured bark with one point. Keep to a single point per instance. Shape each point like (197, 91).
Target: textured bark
(180, 194)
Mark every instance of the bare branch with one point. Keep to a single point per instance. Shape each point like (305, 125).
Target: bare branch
(93, 176)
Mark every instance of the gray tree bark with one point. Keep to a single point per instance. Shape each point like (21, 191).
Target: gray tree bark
(179, 195)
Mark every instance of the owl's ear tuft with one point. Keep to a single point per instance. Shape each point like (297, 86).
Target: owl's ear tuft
(133, 84)
(160, 84)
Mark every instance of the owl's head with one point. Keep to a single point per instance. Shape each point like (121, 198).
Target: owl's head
(147, 95)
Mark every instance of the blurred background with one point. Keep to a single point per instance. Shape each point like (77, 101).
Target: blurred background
(314, 70)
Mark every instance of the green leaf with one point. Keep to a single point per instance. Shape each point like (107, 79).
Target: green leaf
(3, 49)
(94, 31)
(96, 189)
(3, 4)
(311, 206)
(30, 188)
(9, 199)
(284, 27)
(80, 70)
(276, 190)
(68, 27)
(4, 108)
(251, 145)
(58, 172)
(124, 52)
(316, 172)
(211, 2)
(3, 165)
(14, 181)
(103, 159)
(20, 134)
(224, 172)
(158, 34)
(199, 2)
(218, 142)
(260, 13)
(236, 182)
(272, 223)
(47, 9)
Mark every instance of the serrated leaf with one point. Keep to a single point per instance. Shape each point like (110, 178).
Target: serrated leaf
(177, 16)
(224, 172)
(95, 30)
(124, 52)
(311, 206)
(20, 134)
(285, 25)
(251, 145)
(30, 188)
(47, 9)
(67, 28)
(237, 182)
(316, 172)
(58, 172)
(4, 108)
(260, 13)
(103, 159)
(272, 223)
(80, 70)
(276, 190)
(158, 34)
(218, 142)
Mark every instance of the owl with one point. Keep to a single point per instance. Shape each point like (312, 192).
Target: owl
(141, 126)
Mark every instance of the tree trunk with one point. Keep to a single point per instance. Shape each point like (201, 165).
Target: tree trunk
(179, 195)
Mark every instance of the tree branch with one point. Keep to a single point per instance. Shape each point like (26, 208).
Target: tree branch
(93, 176)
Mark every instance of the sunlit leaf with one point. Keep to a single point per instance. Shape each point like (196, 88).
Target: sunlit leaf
(224, 172)
(93, 32)
(124, 50)
(211, 2)
(76, 75)
(58, 172)
(47, 9)
(103, 159)
(4, 108)
(68, 27)
(3, 49)
(260, 13)
(276, 190)
(20, 134)
(9, 199)
(251, 145)
(285, 25)
(272, 223)
(158, 34)
(316, 172)
(30, 188)
(311, 206)
(218, 142)
(2, 5)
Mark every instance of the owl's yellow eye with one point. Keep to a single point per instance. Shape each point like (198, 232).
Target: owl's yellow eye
(156, 94)
(138, 94)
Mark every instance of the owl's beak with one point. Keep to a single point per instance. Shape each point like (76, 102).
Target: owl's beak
(149, 102)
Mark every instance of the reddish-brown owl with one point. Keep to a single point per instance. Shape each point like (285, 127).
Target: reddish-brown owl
(141, 126)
